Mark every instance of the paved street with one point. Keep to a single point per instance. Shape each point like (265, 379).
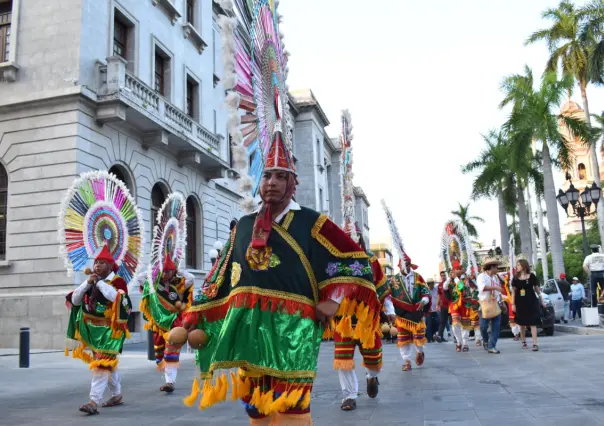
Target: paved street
(560, 385)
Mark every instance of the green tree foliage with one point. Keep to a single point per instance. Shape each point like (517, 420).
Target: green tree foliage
(573, 252)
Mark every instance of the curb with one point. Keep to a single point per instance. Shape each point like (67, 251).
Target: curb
(584, 331)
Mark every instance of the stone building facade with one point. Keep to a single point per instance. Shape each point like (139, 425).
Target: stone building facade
(131, 86)
(319, 164)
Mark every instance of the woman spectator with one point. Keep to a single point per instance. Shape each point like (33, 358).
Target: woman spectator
(577, 292)
(527, 295)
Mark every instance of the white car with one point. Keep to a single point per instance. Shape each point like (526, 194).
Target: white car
(553, 293)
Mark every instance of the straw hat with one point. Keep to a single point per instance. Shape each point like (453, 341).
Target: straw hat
(490, 261)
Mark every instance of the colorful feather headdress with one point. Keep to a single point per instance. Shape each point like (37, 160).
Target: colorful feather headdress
(396, 238)
(454, 247)
(169, 235)
(255, 71)
(98, 210)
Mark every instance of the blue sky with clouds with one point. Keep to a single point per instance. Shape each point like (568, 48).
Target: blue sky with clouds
(421, 80)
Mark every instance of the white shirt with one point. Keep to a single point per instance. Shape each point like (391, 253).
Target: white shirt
(595, 262)
(484, 280)
(291, 206)
(106, 289)
(433, 306)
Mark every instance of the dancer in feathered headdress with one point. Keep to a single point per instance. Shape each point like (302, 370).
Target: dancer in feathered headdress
(99, 220)
(411, 299)
(167, 290)
(345, 344)
(284, 267)
(458, 288)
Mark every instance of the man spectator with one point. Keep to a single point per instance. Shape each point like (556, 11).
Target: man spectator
(594, 266)
(577, 295)
(432, 315)
(489, 289)
(564, 287)
(443, 306)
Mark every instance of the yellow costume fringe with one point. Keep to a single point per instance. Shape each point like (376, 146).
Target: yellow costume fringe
(343, 364)
(215, 391)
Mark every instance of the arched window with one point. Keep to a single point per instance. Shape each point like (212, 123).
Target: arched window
(121, 173)
(158, 196)
(192, 239)
(3, 202)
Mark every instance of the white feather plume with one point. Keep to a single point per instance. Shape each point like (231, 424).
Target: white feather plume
(234, 120)
(225, 4)
(229, 81)
(232, 100)
(248, 205)
(237, 137)
(246, 183)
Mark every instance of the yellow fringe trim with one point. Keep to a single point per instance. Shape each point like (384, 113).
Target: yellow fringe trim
(66, 351)
(104, 363)
(368, 323)
(215, 391)
(343, 364)
(161, 367)
(190, 400)
(403, 324)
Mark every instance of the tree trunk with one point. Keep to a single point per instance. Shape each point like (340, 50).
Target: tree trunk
(533, 254)
(542, 240)
(503, 225)
(595, 164)
(553, 220)
(523, 221)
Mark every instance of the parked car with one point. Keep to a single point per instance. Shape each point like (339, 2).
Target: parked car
(551, 289)
(548, 317)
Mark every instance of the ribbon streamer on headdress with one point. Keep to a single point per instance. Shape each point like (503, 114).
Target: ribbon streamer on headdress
(396, 237)
(348, 216)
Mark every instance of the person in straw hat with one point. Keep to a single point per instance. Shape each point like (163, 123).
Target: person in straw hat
(489, 289)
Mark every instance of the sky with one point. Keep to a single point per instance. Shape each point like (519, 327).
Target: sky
(421, 81)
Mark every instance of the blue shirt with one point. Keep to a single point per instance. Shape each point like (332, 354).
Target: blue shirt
(577, 291)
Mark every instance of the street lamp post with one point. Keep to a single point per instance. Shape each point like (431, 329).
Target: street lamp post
(581, 205)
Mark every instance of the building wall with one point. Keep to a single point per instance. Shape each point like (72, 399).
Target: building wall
(361, 212)
(43, 149)
(48, 135)
(48, 50)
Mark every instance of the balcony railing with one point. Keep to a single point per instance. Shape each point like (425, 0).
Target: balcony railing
(121, 91)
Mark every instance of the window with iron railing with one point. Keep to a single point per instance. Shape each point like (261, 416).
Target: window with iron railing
(5, 29)
(120, 39)
(159, 74)
(157, 200)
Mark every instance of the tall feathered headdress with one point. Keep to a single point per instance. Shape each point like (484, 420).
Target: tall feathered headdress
(98, 211)
(255, 71)
(472, 263)
(169, 236)
(396, 238)
(453, 247)
(348, 217)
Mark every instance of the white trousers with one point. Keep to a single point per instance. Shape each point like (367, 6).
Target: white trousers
(350, 384)
(170, 373)
(100, 381)
(406, 351)
(462, 335)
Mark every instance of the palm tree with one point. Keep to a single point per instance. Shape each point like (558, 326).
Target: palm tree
(491, 180)
(533, 118)
(572, 45)
(464, 217)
